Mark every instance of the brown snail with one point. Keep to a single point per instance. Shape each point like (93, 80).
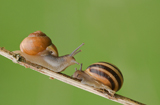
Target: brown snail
(39, 49)
(102, 75)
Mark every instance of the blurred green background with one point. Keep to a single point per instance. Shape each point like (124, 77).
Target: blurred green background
(122, 32)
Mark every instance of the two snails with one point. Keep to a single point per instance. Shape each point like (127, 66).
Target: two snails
(39, 49)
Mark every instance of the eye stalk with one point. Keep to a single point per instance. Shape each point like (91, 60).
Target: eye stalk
(81, 67)
(75, 51)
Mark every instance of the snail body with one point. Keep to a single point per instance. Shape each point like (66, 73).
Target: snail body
(102, 75)
(39, 49)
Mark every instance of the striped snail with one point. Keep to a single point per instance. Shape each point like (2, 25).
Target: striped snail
(39, 49)
(102, 75)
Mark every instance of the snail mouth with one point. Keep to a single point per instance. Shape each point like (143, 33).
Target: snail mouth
(75, 62)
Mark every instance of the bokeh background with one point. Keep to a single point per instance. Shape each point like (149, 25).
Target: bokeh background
(125, 33)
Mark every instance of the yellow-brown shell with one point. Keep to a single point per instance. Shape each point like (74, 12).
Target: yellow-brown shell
(37, 42)
(106, 73)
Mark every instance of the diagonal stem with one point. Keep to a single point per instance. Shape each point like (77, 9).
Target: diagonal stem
(65, 78)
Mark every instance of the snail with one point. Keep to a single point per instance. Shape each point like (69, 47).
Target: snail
(39, 49)
(101, 75)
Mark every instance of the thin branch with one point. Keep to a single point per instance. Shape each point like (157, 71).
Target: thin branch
(65, 78)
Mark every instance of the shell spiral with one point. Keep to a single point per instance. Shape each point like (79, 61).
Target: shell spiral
(106, 73)
(37, 42)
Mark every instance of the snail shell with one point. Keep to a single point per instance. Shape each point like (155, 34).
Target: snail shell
(106, 73)
(38, 43)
